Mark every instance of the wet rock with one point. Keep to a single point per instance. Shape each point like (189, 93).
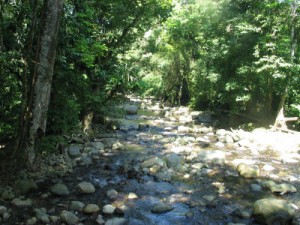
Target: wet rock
(283, 189)
(22, 202)
(131, 109)
(112, 193)
(8, 193)
(31, 221)
(248, 171)
(42, 216)
(85, 160)
(100, 219)
(69, 218)
(108, 209)
(74, 151)
(85, 188)
(97, 145)
(273, 211)
(3, 210)
(91, 208)
(165, 175)
(174, 161)
(77, 205)
(116, 221)
(54, 219)
(152, 161)
(255, 187)
(25, 186)
(60, 189)
(161, 207)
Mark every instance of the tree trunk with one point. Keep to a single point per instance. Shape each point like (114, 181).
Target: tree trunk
(44, 74)
(280, 119)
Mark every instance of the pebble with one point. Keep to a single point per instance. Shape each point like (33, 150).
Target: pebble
(69, 217)
(91, 208)
(85, 188)
(161, 207)
(77, 205)
(108, 209)
(60, 189)
(100, 219)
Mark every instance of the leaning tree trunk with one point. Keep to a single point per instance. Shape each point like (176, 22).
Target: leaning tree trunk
(44, 74)
(280, 120)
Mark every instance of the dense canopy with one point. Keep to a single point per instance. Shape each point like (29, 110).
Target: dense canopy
(61, 62)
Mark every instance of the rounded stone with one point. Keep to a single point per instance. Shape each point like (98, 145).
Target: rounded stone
(108, 209)
(91, 208)
(85, 188)
(273, 211)
(69, 218)
(60, 189)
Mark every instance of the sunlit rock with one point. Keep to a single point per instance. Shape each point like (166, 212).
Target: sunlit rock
(273, 211)
(248, 171)
(283, 189)
(91, 208)
(108, 209)
(152, 161)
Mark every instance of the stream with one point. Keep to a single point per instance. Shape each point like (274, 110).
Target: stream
(166, 166)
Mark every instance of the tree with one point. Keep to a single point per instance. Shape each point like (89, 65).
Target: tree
(280, 120)
(43, 78)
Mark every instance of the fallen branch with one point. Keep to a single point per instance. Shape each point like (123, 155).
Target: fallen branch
(273, 128)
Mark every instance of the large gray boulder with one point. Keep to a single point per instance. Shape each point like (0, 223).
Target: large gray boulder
(273, 211)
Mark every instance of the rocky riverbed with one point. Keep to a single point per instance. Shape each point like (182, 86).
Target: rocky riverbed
(162, 166)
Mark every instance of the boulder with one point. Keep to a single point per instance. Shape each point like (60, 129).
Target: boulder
(273, 211)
